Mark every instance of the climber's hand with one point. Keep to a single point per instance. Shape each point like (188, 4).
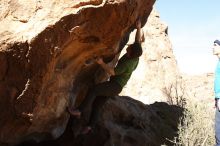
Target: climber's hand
(99, 60)
(138, 23)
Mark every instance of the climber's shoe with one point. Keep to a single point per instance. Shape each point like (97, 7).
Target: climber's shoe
(74, 112)
(86, 130)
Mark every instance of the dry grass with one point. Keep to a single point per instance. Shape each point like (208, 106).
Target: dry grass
(196, 127)
(176, 94)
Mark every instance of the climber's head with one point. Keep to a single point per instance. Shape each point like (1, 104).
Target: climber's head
(216, 48)
(134, 50)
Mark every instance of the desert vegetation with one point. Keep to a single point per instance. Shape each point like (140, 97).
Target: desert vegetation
(196, 126)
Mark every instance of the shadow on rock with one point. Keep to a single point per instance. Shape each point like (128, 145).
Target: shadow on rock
(123, 121)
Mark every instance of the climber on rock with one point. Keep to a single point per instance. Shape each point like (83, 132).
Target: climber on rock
(119, 77)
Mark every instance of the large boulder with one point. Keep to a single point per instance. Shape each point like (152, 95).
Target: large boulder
(46, 52)
(122, 121)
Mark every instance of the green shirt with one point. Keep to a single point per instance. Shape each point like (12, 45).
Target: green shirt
(124, 69)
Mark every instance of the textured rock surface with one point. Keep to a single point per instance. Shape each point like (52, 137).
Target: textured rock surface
(123, 121)
(130, 122)
(158, 68)
(45, 57)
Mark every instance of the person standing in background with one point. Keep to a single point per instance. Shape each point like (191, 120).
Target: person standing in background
(216, 51)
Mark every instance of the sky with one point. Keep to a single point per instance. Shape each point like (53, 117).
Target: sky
(193, 25)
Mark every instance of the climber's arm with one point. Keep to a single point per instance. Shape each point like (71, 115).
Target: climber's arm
(139, 37)
(107, 68)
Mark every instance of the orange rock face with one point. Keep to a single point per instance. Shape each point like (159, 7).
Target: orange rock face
(46, 52)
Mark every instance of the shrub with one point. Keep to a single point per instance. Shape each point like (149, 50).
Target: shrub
(196, 127)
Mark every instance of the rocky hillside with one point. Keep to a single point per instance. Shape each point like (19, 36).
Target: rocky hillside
(200, 87)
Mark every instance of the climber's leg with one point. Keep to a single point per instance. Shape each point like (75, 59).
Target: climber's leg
(108, 88)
